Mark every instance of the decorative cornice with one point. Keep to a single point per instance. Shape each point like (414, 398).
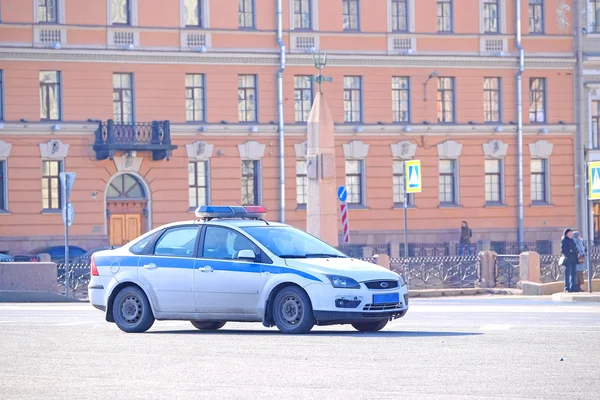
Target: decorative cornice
(215, 57)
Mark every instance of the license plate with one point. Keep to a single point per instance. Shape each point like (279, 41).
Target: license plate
(386, 298)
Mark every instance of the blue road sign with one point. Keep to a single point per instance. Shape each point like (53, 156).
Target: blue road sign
(594, 178)
(342, 194)
(413, 176)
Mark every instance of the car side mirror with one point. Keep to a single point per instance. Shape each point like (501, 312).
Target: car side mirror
(246, 255)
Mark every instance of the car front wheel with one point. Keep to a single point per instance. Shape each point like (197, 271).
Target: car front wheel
(370, 326)
(131, 310)
(292, 311)
(208, 325)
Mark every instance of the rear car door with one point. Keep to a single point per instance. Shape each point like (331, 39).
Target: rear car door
(168, 269)
(224, 284)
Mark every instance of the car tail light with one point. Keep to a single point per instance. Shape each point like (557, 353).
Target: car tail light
(93, 268)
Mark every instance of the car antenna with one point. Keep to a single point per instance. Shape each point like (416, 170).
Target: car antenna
(260, 219)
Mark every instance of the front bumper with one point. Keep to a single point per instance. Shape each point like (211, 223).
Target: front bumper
(357, 304)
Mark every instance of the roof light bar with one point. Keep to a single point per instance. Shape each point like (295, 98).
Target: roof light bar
(256, 212)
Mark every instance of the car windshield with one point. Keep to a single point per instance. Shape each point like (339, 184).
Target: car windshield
(288, 242)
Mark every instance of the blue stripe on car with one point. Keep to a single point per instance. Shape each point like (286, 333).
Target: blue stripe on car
(190, 263)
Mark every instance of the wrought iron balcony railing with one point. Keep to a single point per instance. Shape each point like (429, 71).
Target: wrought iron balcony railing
(154, 137)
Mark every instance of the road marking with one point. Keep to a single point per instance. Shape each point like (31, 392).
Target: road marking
(496, 327)
(471, 309)
(86, 307)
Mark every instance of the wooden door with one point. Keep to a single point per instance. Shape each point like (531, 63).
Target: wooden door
(124, 228)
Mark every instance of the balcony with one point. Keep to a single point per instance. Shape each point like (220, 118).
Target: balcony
(154, 137)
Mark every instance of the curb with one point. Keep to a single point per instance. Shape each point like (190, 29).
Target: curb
(34, 296)
(461, 292)
(576, 297)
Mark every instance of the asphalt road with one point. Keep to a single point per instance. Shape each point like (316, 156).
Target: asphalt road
(486, 347)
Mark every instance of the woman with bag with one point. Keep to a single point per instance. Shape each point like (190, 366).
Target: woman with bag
(581, 264)
(569, 260)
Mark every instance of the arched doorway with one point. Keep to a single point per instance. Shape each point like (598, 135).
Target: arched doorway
(127, 209)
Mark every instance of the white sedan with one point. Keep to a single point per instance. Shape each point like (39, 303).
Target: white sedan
(231, 265)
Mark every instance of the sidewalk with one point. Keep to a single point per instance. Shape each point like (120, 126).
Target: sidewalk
(461, 292)
(577, 297)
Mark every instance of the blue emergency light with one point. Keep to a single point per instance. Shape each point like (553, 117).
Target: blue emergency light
(251, 212)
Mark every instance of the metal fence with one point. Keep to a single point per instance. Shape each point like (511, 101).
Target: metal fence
(507, 271)
(439, 272)
(79, 275)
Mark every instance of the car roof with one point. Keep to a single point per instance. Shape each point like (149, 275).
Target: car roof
(226, 222)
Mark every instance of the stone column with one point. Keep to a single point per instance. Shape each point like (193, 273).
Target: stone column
(321, 204)
(488, 269)
(530, 267)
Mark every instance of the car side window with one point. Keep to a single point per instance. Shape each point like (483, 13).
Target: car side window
(142, 246)
(177, 242)
(225, 244)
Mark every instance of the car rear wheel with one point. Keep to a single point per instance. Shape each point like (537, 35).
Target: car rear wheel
(292, 311)
(208, 325)
(131, 310)
(370, 326)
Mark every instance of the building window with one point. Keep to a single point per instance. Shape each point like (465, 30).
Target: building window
(596, 123)
(595, 15)
(448, 182)
(354, 181)
(51, 195)
(445, 100)
(303, 97)
(123, 98)
(121, 12)
(50, 95)
(537, 100)
(399, 15)
(198, 183)
(302, 14)
(539, 190)
(247, 98)
(246, 13)
(493, 181)
(444, 15)
(47, 11)
(352, 99)
(398, 168)
(491, 99)
(536, 16)
(351, 12)
(401, 99)
(250, 176)
(3, 180)
(193, 13)
(490, 16)
(301, 183)
(194, 97)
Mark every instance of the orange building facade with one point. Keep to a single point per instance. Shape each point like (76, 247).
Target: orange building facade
(161, 105)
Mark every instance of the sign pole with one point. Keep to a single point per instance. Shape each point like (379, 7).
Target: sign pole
(342, 197)
(404, 171)
(65, 210)
(590, 222)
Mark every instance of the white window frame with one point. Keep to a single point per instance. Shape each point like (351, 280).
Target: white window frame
(5, 149)
(358, 151)
(314, 16)
(501, 18)
(60, 15)
(593, 96)
(546, 201)
(411, 17)
(205, 23)
(411, 197)
(133, 14)
(502, 186)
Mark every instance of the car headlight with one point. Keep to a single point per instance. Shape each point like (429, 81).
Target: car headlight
(402, 281)
(343, 282)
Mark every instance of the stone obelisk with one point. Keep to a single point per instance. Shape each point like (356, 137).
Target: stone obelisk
(321, 204)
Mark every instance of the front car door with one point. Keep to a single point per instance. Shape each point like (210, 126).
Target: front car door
(168, 269)
(224, 284)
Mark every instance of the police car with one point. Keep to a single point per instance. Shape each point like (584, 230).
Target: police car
(232, 265)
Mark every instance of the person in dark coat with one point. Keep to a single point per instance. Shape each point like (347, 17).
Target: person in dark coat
(569, 252)
(465, 239)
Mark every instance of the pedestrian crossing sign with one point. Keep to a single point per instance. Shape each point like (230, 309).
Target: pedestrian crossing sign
(413, 176)
(594, 179)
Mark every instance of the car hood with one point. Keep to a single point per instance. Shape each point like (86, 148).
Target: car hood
(358, 270)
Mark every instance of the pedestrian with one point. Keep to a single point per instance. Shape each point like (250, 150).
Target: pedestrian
(581, 259)
(465, 239)
(569, 260)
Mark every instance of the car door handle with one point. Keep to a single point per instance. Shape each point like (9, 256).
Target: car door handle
(150, 266)
(206, 269)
